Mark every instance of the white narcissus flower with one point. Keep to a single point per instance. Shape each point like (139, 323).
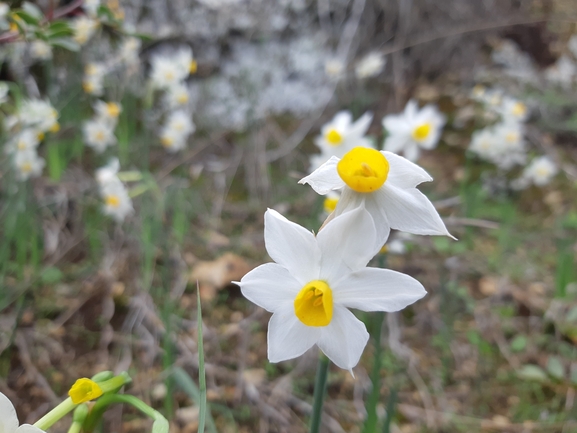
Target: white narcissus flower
(413, 130)
(40, 50)
(384, 184)
(40, 115)
(28, 164)
(512, 110)
(108, 112)
(129, 50)
(93, 80)
(540, 171)
(177, 96)
(25, 140)
(176, 130)
(370, 66)
(511, 150)
(98, 134)
(170, 69)
(9, 420)
(84, 27)
(315, 281)
(108, 173)
(117, 202)
(340, 135)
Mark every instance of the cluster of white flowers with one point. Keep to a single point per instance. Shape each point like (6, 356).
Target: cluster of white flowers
(169, 71)
(538, 172)
(28, 127)
(502, 143)
(316, 279)
(84, 28)
(117, 202)
(99, 131)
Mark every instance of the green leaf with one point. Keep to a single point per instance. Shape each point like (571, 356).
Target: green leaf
(533, 373)
(26, 17)
(66, 43)
(51, 275)
(555, 368)
(33, 10)
(519, 343)
(201, 372)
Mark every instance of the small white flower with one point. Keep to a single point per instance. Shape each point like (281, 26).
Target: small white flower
(117, 202)
(413, 130)
(108, 112)
(502, 144)
(129, 50)
(28, 164)
(174, 134)
(341, 135)
(92, 83)
(84, 27)
(315, 281)
(170, 69)
(98, 134)
(177, 96)
(40, 50)
(108, 173)
(563, 72)
(370, 66)
(385, 185)
(25, 140)
(485, 143)
(91, 7)
(334, 68)
(39, 114)
(512, 110)
(9, 420)
(540, 171)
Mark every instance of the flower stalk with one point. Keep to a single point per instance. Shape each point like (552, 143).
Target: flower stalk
(320, 392)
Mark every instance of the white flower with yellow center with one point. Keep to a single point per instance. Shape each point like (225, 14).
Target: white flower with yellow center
(9, 420)
(170, 69)
(108, 173)
(28, 164)
(25, 140)
(512, 150)
(413, 130)
(108, 112)
(540, 171)
(340, 135)
(174, 134)
(130, 49)
(93, 81)
(370, 66)
(486, 144)
(512, 110)
(40, 50)
(315, 281)
(98, 134)
(177, 96)
(40, 115)
(384, 184)
(117, 202)
(84, 27)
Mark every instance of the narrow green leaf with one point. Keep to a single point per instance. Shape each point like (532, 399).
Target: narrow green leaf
(65, 43)
(201, 371)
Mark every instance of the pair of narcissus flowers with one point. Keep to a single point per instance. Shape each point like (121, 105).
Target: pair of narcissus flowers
(316, 279)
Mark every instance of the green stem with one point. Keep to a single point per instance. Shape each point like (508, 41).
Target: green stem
(55, 414)
(372, 401)
(106, 400)
(201, 370)
(75, 427)
(320, 391)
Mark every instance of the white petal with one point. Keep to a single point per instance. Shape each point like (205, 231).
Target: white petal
(347, 243)
(404, 173)
(409, 210)
(269, 286)
(288, 337)
(412, 151)
(27, 428)
(291, 246)
(8, 418)
(344, 339)
(342, 120)
(373, 289)
(395, 143)
(373, 203)
(325, 178)
(360, 127)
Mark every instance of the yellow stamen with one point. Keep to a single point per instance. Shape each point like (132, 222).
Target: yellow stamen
(99, 136)
(512, 137)
(54, 128)
(88, 86)
(330, 204)
(334, 138)
(112, 109)
(166, 141)
(421, 132)
(112, 201)
(314, 304)
(182, 98)
(193, 67)
(84, 390)
(519, 109)
(22, 144)
(363, 169)
(26, 167)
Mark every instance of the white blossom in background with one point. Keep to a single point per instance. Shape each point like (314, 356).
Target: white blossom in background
(39, 114)
(512, 110)
(28, 164)
(98, 134)
(171, 68)
(370, 66)
(130, 49)
(117, 202)
(334, 68)
(563, 72)
(398, 245)
(316, 279)
(40, 50)
(108, 173)
(512, 150)
(413, 130)
(93, 80)
(540, 171)
(177, 96)
(84, 27)
(340, 135)
(485, 144)
(175, 131)
(385, 185)
(107, 112)
(91, 7)
(9, 420)
(27, 139)
(516, 63)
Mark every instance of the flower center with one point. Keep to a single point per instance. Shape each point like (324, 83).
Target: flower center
(88, 86)
(112, 200)
(182, 98)
(363, 169)
(193, 67)
(421, 132)
(334, 137)
(512, 137)
(26, 167)
(330, 204)
(84, 390)
(519, 109)
(112, 109)
(99, 136)
(314, 304)
(55, 127)
(166, 141)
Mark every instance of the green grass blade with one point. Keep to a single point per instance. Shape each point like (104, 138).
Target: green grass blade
(201, 372)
